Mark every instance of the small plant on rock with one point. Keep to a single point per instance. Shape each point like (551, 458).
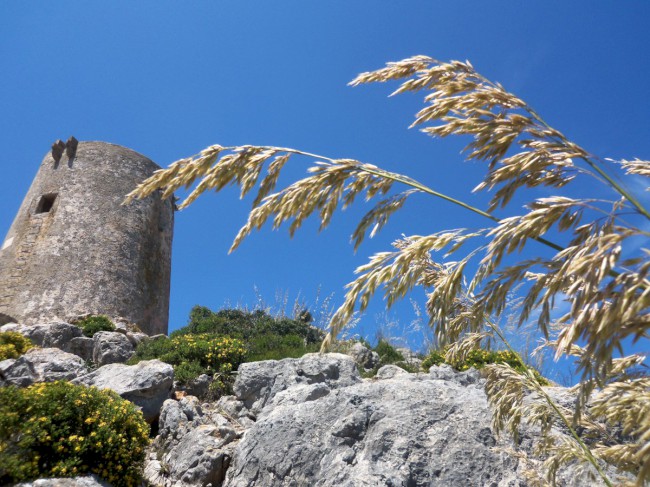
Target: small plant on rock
(63, 430)
(94, 323)
(13, 345)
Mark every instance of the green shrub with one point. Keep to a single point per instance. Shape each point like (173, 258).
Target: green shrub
(94, 323)
(479, 358)
(193, 355)
(276, 347)
(13, 345)
(62, 430)
(388, 354)
(245, 325)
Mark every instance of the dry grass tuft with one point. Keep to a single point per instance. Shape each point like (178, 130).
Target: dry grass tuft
(600, 271)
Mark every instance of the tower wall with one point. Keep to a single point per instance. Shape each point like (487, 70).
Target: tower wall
(74, 249)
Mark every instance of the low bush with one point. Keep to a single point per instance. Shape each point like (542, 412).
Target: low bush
(193, 355)
(94, 323)
(276, 347)
(246, 325)
(388, 354)
(62, 430)
(13, 345)
(479, 358)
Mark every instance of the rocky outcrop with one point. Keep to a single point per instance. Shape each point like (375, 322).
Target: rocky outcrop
(147, 384)
(313, 421)
(41, 365)
(408, 429)
(294, 422)
(195, 445)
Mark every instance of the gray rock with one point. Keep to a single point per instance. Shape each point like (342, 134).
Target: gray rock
(311, 421)
(198, 387)
(389, 371)
(408, 430)
(363, 356)
(136, 338)
(87, 481)
(41, 365)
(121, 327)
(48, 335)
(200, 457)
(194, 445)
(257, 383)
(83, 347)
(146, 384)
(447, 373)
(111, 347)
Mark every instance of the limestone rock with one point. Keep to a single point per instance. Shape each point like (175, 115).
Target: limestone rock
(408, 430)
(136, 337)
(312, 421)
(363, 356)
(146, 384)
(195, 445)
(111, 347)
(410, 357)
(83, 347)
(41, 365)
(198, 387)
(87, 481)
(389, 371)
(48, 335)
(257, 383)
(447, 373)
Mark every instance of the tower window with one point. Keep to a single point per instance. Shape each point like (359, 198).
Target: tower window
(46, 203)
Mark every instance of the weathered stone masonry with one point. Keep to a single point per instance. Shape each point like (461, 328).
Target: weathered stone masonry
(74, 249)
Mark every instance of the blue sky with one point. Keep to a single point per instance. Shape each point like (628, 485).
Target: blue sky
(169, 78)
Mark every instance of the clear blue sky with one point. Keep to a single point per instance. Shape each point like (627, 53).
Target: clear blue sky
(169, 78)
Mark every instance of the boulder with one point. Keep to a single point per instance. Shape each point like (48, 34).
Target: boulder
(41, 365)
(147, 384)
(83, 347)
(257, 383)
(111, 347)
(389, 371)
(363, 356)
(48, 335)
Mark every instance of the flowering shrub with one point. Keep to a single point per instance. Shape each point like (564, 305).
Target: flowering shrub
(94, 323)
(63, 430)
(193, 355)
(13, 345)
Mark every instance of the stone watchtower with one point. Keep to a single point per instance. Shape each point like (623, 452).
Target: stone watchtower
(73, 249)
